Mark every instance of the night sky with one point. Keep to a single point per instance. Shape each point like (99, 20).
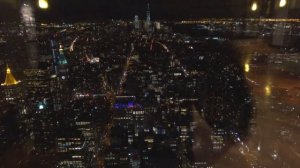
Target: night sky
(93, 10)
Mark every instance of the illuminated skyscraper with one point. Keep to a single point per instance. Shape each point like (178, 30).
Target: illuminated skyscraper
(11, 87)
(59, 60)
(39, 106)
(70, 147)
(9, 79)
(136, 22)
(10, 126)
(59, 75)
(157, 25)
(148, 18)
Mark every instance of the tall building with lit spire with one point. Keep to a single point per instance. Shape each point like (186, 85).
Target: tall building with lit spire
(148, 18)
(9, 79)
(59, 76)
(11, 87)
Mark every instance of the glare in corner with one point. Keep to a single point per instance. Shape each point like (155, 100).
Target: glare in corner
(43, 4)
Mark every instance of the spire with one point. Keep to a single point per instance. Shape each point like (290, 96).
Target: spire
(9, 79)
(62, 59)
(148, 18)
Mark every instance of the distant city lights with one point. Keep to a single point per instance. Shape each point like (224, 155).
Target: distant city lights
(43, 4)
(124, 105)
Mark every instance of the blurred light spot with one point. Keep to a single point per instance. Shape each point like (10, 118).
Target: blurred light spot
(41, 107)
(268, 90)
(254, 6)
(247, 68)
(282, 3)
(43, 4)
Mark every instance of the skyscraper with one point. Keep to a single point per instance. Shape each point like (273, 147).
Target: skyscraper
(40, 109)
(70, 146)
(59, 75)
(148, 18)
(9, 126)
(9, 114)
(136, 22)
(11, 87)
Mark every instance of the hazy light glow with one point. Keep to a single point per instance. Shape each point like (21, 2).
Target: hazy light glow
(247, 68)
(43, 4)
(254, 6)
(267, 90)
(9, 79)
(282, 3)
(41, 107)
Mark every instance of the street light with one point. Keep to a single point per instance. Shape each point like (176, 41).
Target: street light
(282, 3)
(43, 4)
(254, 6)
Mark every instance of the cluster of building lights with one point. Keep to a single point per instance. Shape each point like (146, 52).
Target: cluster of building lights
(228, 21)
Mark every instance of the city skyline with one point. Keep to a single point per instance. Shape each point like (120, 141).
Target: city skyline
(95, 10)
(80, 89)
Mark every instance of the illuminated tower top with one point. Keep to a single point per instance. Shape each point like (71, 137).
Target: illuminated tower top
(62, 58)
(9, 79)
(148, 19)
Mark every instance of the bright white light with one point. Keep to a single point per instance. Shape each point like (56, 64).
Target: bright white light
(43, 4)
(254, 6)
(41, 107)
(282, 3)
